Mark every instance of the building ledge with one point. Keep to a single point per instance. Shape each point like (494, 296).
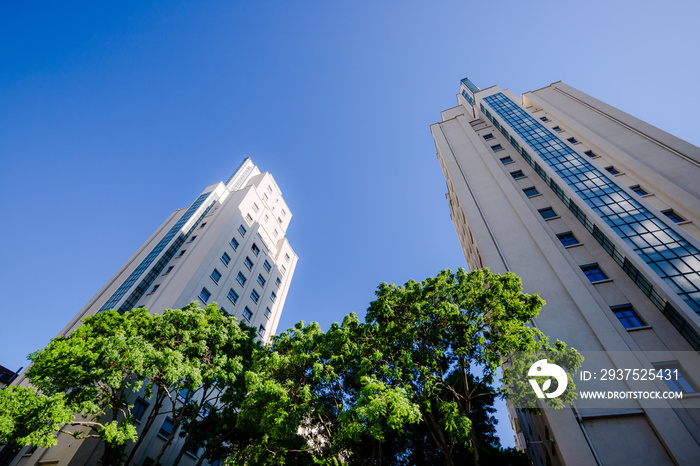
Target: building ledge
(643, 327)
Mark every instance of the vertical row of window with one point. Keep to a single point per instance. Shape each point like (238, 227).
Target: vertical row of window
(232, 295)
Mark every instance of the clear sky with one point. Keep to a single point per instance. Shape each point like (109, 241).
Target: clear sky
(115, 113)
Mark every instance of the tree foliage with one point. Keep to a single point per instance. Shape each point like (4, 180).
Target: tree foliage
(410, 385)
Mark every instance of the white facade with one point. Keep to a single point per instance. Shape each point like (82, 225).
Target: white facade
(228, 247)
(549, 187)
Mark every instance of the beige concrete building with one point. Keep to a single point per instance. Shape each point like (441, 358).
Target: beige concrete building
(599, 213)
(228, 247)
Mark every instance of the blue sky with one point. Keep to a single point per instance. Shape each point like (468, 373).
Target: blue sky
(113, 114)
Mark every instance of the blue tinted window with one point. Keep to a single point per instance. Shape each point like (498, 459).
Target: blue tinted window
(266, 264)
(248, 263)
(204, 295)
(547, 213)
(261, 280)
(517, 174)
(247, 313)
(233, 296)
(532, 191)
(673, 216)
(225, 258)
(255, 249)
(216, 276)
(594, 273)
(506, 160)
(234, 243)
(273, 296)
(567, 239)
(242, 230)
(241, 278)
(255, 296)
(627, 316)
(497, 147)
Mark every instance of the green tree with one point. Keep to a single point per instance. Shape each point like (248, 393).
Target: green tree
(84, 382)
(418, 369)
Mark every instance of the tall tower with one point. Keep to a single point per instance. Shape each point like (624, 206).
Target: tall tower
(227, 247)
(598, 212)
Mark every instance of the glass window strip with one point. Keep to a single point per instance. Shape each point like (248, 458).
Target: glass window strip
(615, 206)
(666, 308)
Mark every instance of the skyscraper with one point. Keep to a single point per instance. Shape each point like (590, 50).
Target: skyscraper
(227, 247)
(598, 212)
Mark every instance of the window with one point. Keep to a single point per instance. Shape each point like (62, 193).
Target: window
(286, 257)
(273, 296)
(590, 153)
(284, 213)
(192, 449)
(545, 119)
(232, 296)
(221, 308)
(242, 230)
(557, 129)
(247, 313)
(182, 253)
(547, 213)
(193, 238)
(279, 220)
(255, 207)
(612, 170)
(531, 191)
(167, 428)
(284, 270)
(278, 281)
(241, 278)
(267, 217)
(139, 409)
(627, 316)
(269, 189)
(265, 196)
(255, 249)
(185, 395)
(506, 160)
(261, 330)
(572, 140)
(206, 409)
(225, 258)
(275, 232)
(497, 147)
(248, 218)
(638, 189)
(248, 263)
(673, 216)
(204, 295)
(155, 287)
(594, 273)
(567, 239)
(261, 280)
(267, 312)
(488, 137)
(674, 377)
(254, 295)
(203, 225)
(267, 266)
(216, 276)
(170, 269)
(234, 243)
(517, 174)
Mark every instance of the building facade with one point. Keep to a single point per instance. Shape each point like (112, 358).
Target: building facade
(228, 247)
(599, 213)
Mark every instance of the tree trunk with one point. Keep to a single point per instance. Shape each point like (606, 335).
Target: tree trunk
(149, 423)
